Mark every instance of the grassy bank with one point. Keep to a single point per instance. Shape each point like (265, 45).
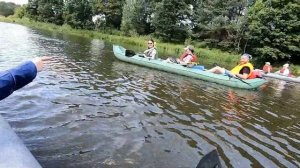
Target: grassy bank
(206, 56)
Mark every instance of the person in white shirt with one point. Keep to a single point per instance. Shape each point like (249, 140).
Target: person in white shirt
(151, 52)
(284, 70)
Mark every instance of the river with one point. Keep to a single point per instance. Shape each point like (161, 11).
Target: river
(88, 109)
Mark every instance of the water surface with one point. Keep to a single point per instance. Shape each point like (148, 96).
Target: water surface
(87, 109)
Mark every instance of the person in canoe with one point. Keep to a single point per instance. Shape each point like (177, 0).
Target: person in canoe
(285, 71)
(243, 70)
(151, 52)
(267, 67)
(188, 57)
(16, 78)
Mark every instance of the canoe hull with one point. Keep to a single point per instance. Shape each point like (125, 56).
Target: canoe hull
(281, 77)
(119, 52)
(14, 154)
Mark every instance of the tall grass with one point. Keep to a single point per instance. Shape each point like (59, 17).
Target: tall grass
(206, 56)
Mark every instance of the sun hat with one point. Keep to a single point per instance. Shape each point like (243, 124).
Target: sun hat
(190, 47)
(286, 65)
(247, 55)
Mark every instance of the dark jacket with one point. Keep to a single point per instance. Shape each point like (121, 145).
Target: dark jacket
(16, 78)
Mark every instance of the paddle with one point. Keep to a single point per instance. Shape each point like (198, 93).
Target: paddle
(236, 77)
(210, 160)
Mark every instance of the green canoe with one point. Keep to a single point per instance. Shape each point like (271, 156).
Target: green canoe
(190, 72)
(282, 77)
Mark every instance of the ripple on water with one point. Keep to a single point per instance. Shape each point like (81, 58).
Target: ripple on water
(88, 109)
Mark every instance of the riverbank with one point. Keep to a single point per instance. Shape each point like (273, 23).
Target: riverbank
(206, 56)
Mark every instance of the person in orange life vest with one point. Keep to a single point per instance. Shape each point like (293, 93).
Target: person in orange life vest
(267, 67)
(243, 70)
(188, 56)
(285, 71)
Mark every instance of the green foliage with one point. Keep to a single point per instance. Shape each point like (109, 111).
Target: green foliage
(128, 18)
(134, 19)
(274, 30)
(20, 11)
(100, 23)
(268, 29)
(31, 9)
(169, 20)
(112, 9)
(78, 14)
(219, 23)
(46, 10)
(7, 8)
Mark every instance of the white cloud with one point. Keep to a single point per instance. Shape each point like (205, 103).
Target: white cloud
(17, 1)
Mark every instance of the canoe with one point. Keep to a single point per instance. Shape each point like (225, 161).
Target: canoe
(282, 77)
(159, 64)
(14, 154)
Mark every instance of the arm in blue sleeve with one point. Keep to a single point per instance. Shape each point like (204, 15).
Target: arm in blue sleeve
(16, 78)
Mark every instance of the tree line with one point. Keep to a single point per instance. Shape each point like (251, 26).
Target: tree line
(268, 29)
(7, 8)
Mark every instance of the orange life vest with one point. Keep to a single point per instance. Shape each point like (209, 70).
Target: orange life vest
(194, 59)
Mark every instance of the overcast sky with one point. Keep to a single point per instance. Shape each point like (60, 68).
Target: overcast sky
(16, 1)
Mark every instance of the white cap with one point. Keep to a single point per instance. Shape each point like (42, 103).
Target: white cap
(286, 65)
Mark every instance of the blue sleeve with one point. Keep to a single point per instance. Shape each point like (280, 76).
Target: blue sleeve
(16, 78)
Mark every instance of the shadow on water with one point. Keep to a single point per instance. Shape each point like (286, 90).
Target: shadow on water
(90, 110)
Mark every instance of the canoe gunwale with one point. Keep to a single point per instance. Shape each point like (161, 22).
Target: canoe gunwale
(282, 77)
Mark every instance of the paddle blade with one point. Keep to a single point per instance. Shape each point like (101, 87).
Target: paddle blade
(210, 160)
(129, 53)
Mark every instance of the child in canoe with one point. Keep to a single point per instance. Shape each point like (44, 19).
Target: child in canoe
(188, 57)
(267, 67)
(285, 71)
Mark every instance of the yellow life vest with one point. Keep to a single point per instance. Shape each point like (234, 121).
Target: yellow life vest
(238, 68)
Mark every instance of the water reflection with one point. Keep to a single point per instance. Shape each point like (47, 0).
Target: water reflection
(89, 109)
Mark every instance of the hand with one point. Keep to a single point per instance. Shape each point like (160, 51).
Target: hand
(40, 62)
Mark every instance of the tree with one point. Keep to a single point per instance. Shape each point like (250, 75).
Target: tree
(170, 20)
(46, 10)
(128, 17)
(31, 9)
(220, 23)
(78, 14)
(274, 30)
(20, 11)
(112, 9)
(7, 9)
(134, 18)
